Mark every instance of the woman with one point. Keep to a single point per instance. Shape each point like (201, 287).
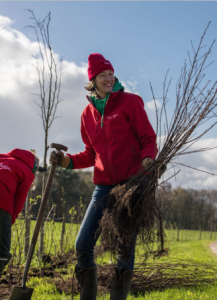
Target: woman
(118, 138)
(17, 172)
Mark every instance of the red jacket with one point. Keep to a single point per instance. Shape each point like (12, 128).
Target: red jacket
(116, 150)
(16, 177)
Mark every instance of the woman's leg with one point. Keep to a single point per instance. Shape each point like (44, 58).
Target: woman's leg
(5, 239)
(87, 237)
(123, 274)
(126, 256)
(86, 270)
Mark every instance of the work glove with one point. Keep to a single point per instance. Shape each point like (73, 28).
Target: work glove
(147, 162)
(60, 159)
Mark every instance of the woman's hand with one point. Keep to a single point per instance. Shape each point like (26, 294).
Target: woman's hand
(61, 160)
(148, 162)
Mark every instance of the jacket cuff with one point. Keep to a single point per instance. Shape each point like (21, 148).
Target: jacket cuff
(149, 153)
(70, 164)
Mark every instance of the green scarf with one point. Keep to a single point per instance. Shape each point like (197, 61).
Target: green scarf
(118, 87)
(101, 103)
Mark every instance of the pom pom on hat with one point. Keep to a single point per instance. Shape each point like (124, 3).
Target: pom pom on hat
(97, 64)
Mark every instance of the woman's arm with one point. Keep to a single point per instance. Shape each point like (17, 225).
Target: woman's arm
(142, 128)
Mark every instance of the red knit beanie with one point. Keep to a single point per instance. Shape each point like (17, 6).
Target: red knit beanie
(97, 64)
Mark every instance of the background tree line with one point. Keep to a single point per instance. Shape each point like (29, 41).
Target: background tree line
(70, 189)
(187, 209)
(190, 209)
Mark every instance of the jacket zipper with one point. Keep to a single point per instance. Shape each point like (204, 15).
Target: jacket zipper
(108, 165)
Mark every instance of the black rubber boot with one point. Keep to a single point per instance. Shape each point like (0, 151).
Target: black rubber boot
(3, 264)
(120, 284)
(87, 278)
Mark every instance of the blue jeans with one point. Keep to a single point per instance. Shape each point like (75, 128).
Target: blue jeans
(86, 239)
(5, 239)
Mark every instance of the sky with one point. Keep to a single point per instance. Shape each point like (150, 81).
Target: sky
(142, 40)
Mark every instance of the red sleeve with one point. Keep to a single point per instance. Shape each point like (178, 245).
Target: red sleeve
(86, 158)
(21, 194)
(142, 128)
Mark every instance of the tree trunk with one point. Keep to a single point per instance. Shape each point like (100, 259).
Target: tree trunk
(63, 227)
(41, 242)
(45, 147)
(27, 222)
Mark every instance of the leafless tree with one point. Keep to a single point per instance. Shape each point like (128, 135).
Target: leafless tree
(49, 70)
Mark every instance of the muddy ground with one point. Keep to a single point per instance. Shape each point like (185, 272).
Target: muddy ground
(56, 272)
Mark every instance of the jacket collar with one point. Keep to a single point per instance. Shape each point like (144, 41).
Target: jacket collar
(112, 96)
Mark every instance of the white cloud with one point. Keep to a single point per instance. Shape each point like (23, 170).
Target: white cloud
(152, 104)
(19, 114)
(5, 21)
(16, 48)
(130, 86)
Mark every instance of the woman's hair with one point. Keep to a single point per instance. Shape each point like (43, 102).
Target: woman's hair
(91, 87)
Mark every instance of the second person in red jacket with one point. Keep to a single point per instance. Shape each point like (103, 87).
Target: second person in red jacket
(118, 139)
(17, 172)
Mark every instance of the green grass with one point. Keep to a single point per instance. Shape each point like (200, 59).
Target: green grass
(189, 235)
(45, 290)
(53, 236)
(195, 251)
(188, 249)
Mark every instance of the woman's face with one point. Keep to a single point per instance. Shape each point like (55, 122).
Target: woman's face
(104, 83)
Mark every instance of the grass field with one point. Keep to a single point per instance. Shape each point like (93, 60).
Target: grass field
(188, 249)
(193, 251)
(46, 291)
(53, 235)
